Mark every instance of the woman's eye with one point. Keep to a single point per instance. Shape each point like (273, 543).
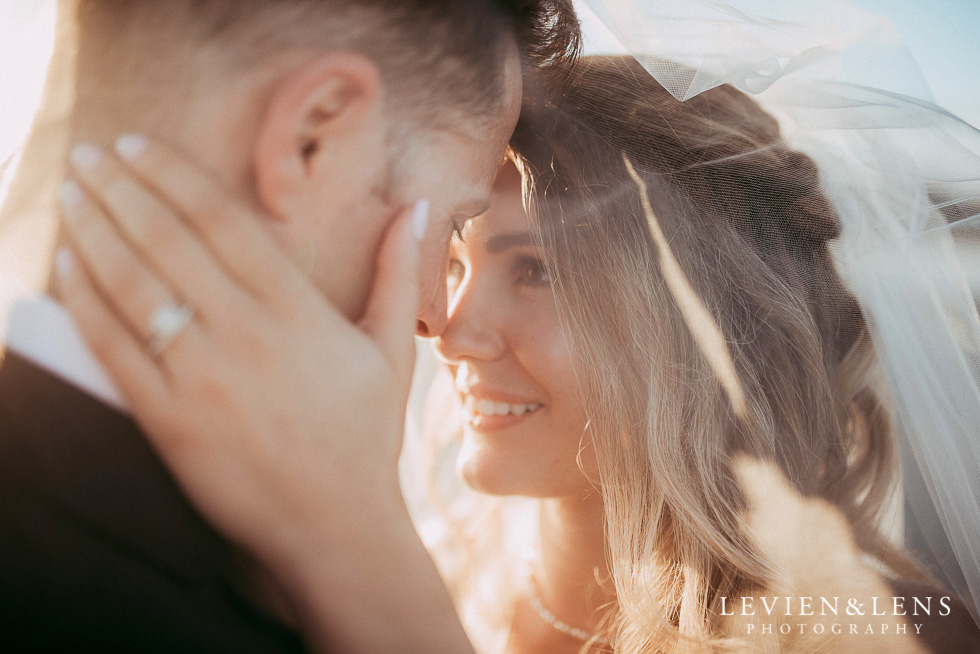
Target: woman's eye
(531, 272)
(455, 272)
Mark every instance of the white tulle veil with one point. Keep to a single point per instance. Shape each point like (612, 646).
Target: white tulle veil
(904, 177)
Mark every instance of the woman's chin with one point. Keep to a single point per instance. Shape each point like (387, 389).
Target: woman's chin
(496, 473)
(489, 478)
(487, 470)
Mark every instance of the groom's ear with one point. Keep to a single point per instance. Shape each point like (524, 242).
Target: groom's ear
(321, 129)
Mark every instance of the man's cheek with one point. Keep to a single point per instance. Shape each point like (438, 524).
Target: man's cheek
(344, 261)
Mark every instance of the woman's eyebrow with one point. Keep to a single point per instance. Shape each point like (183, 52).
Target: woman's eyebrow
(500, 242)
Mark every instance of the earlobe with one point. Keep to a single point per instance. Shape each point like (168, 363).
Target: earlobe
(313, 117)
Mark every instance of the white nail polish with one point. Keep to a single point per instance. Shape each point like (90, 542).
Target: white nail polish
(70, 194)
(64, 261)
(420, 219)
(86, 156)
(131, 146)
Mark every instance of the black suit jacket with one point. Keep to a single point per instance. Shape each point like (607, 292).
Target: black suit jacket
(99, 550)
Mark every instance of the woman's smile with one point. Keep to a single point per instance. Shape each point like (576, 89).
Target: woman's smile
(482, 413)
(522, 420)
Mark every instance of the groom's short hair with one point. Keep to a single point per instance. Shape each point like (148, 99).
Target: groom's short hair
(435, 56)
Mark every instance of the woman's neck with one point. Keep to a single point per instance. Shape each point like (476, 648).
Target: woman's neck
(570, 570)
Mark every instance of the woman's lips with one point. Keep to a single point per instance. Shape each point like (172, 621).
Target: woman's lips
(484, 414)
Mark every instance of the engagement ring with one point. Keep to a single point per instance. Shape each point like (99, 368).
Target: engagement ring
(166, 324)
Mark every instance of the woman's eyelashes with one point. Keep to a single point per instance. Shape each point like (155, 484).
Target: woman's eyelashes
(458, 226)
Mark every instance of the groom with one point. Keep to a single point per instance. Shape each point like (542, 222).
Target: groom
(330, 115)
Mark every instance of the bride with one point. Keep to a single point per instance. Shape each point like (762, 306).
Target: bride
(662, 395)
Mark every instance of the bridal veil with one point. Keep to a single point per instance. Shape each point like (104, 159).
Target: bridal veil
(904, 178)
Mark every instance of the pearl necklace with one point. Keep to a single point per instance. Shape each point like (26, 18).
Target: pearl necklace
(550, 618)
(564, 627)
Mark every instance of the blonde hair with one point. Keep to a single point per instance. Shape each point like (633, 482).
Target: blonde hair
(743, 217)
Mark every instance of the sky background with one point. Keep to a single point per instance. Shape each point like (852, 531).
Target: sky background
(942, 35)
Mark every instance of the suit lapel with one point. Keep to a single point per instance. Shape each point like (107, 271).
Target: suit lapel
(85, 459)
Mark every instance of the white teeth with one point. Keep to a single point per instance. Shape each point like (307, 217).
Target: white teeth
(491, 408)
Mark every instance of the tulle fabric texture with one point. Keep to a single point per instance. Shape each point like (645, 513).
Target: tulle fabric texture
(904, 177)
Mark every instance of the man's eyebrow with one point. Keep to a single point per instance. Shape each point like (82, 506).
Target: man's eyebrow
(500, 242)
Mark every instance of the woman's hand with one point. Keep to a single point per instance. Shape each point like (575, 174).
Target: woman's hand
(268, 384)
(281, 420)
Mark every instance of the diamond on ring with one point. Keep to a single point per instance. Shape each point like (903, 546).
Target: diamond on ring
(166, 323)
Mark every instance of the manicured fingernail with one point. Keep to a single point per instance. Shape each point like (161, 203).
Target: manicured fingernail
(131, 146)
(64, 261)
(70, 194)
(86, 156)
(420, 219)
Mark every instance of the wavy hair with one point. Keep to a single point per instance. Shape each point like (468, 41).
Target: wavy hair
(690, 250)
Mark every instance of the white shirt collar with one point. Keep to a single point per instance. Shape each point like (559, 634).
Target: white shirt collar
(41, 331)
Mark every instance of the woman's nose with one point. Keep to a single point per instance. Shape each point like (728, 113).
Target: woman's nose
(472, 329)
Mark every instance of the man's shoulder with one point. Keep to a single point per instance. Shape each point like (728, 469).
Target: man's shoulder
(97, 538)
(59, 446)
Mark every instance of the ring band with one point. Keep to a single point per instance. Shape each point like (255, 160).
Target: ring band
(166, 324)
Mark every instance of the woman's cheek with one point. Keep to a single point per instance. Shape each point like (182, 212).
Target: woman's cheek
(551, 365)
(567, 402)
(541, 346)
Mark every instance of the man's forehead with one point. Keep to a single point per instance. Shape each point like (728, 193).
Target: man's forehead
(460, 168)
(469, 187)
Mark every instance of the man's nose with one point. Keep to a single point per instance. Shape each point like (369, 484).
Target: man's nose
(431, 321)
